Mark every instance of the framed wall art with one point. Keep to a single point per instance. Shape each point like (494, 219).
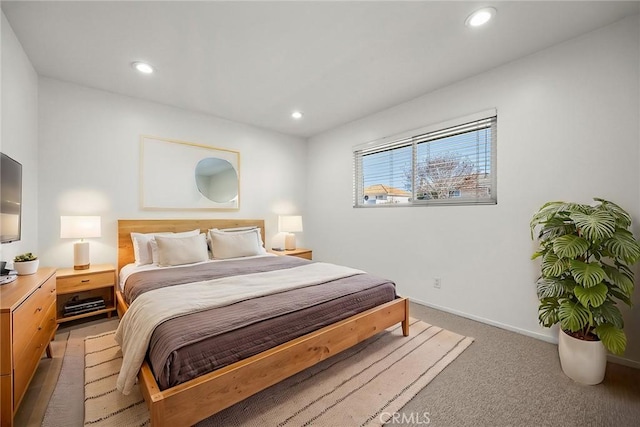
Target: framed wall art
(185, 175)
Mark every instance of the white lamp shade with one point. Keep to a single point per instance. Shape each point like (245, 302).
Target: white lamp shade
(290, 223)
(79, 227)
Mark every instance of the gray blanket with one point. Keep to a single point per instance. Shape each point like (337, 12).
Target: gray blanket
(186, 347)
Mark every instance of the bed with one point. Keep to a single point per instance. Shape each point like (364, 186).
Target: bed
(192, 400)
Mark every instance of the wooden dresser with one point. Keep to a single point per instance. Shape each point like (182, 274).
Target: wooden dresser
(27, 326)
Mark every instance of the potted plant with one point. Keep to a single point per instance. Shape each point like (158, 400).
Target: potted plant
(586, 253)
(25, 264)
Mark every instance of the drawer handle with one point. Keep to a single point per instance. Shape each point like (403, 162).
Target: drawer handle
(85, 281)
(39, 309)
(39, 328)
(53, 290)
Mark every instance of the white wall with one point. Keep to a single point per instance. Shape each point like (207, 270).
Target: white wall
(89, 164)
(567, 129)
(19, 129)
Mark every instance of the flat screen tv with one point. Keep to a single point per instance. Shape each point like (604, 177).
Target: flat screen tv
(10, 199)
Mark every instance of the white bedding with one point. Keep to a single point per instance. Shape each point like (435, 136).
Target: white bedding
(154, 307)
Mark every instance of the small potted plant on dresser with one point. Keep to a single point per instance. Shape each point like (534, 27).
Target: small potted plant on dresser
(587, 252)
(25, 264)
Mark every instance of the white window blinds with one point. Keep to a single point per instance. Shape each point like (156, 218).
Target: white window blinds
(453, 164)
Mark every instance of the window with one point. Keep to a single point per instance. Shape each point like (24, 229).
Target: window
(452, 163)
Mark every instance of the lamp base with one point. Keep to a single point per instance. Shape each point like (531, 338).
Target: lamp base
(283, 241)
(81, 256)
(290, 242)
(277, 244)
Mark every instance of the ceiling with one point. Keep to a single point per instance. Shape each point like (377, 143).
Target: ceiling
(256, 62)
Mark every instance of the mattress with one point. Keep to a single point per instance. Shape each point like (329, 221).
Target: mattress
(194, 344)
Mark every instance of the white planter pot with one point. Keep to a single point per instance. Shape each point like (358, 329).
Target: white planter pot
(584, 362)
(25, 268)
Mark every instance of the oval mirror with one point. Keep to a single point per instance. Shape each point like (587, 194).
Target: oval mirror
(217, 179)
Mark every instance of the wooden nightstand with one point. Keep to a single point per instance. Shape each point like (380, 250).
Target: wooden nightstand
(97, 281)
(299, 252)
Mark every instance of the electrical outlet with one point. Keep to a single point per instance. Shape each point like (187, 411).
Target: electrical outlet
(436, 283)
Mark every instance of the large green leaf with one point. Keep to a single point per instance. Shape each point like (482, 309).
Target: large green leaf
(624, 268)
(555, 227)
(624, 281)
(608, 312)
(552, 266)
(623, 219)
(593, 296)
(570, 246)
(548, 312)
(596, 226)
(614, 339)
(623, 246)
(573, 315)
(587, 274)
(549, 213)
(620, 295)
(554, 288)
(546, 211)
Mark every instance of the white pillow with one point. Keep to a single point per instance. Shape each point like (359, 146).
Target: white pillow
(144, 245)
(225, 245)
(181, 250)
(154, 244)
(253, 228)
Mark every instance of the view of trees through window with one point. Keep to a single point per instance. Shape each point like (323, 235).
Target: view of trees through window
(454, 165)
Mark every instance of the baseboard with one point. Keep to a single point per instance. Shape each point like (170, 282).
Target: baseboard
(500, 325)
(623, 361)
(550, 339)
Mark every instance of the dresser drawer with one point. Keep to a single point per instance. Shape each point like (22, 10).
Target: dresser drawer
(43, 327)
(27, 361)
(28, 317)
(83, 282)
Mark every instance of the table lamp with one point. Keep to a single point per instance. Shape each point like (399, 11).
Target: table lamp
(80, 227)
(285, 240)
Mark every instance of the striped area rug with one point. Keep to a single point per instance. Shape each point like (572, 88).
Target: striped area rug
(366, 385)
(103, 404)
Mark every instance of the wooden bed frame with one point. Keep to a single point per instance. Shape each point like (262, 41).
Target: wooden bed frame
(195, 400)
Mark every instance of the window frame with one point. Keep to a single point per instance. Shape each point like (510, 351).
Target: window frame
(412, 138)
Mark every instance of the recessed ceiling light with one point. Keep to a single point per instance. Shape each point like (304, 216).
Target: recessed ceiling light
(143, 67)
(296, 115)
(480, 17)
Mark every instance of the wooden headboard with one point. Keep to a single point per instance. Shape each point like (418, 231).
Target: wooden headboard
(127, 226)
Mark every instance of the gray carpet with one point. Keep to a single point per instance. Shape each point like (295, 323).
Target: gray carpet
(508, 379)
(503, 379)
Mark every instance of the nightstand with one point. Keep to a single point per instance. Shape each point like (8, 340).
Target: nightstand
(97, 281)
(299, 252)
